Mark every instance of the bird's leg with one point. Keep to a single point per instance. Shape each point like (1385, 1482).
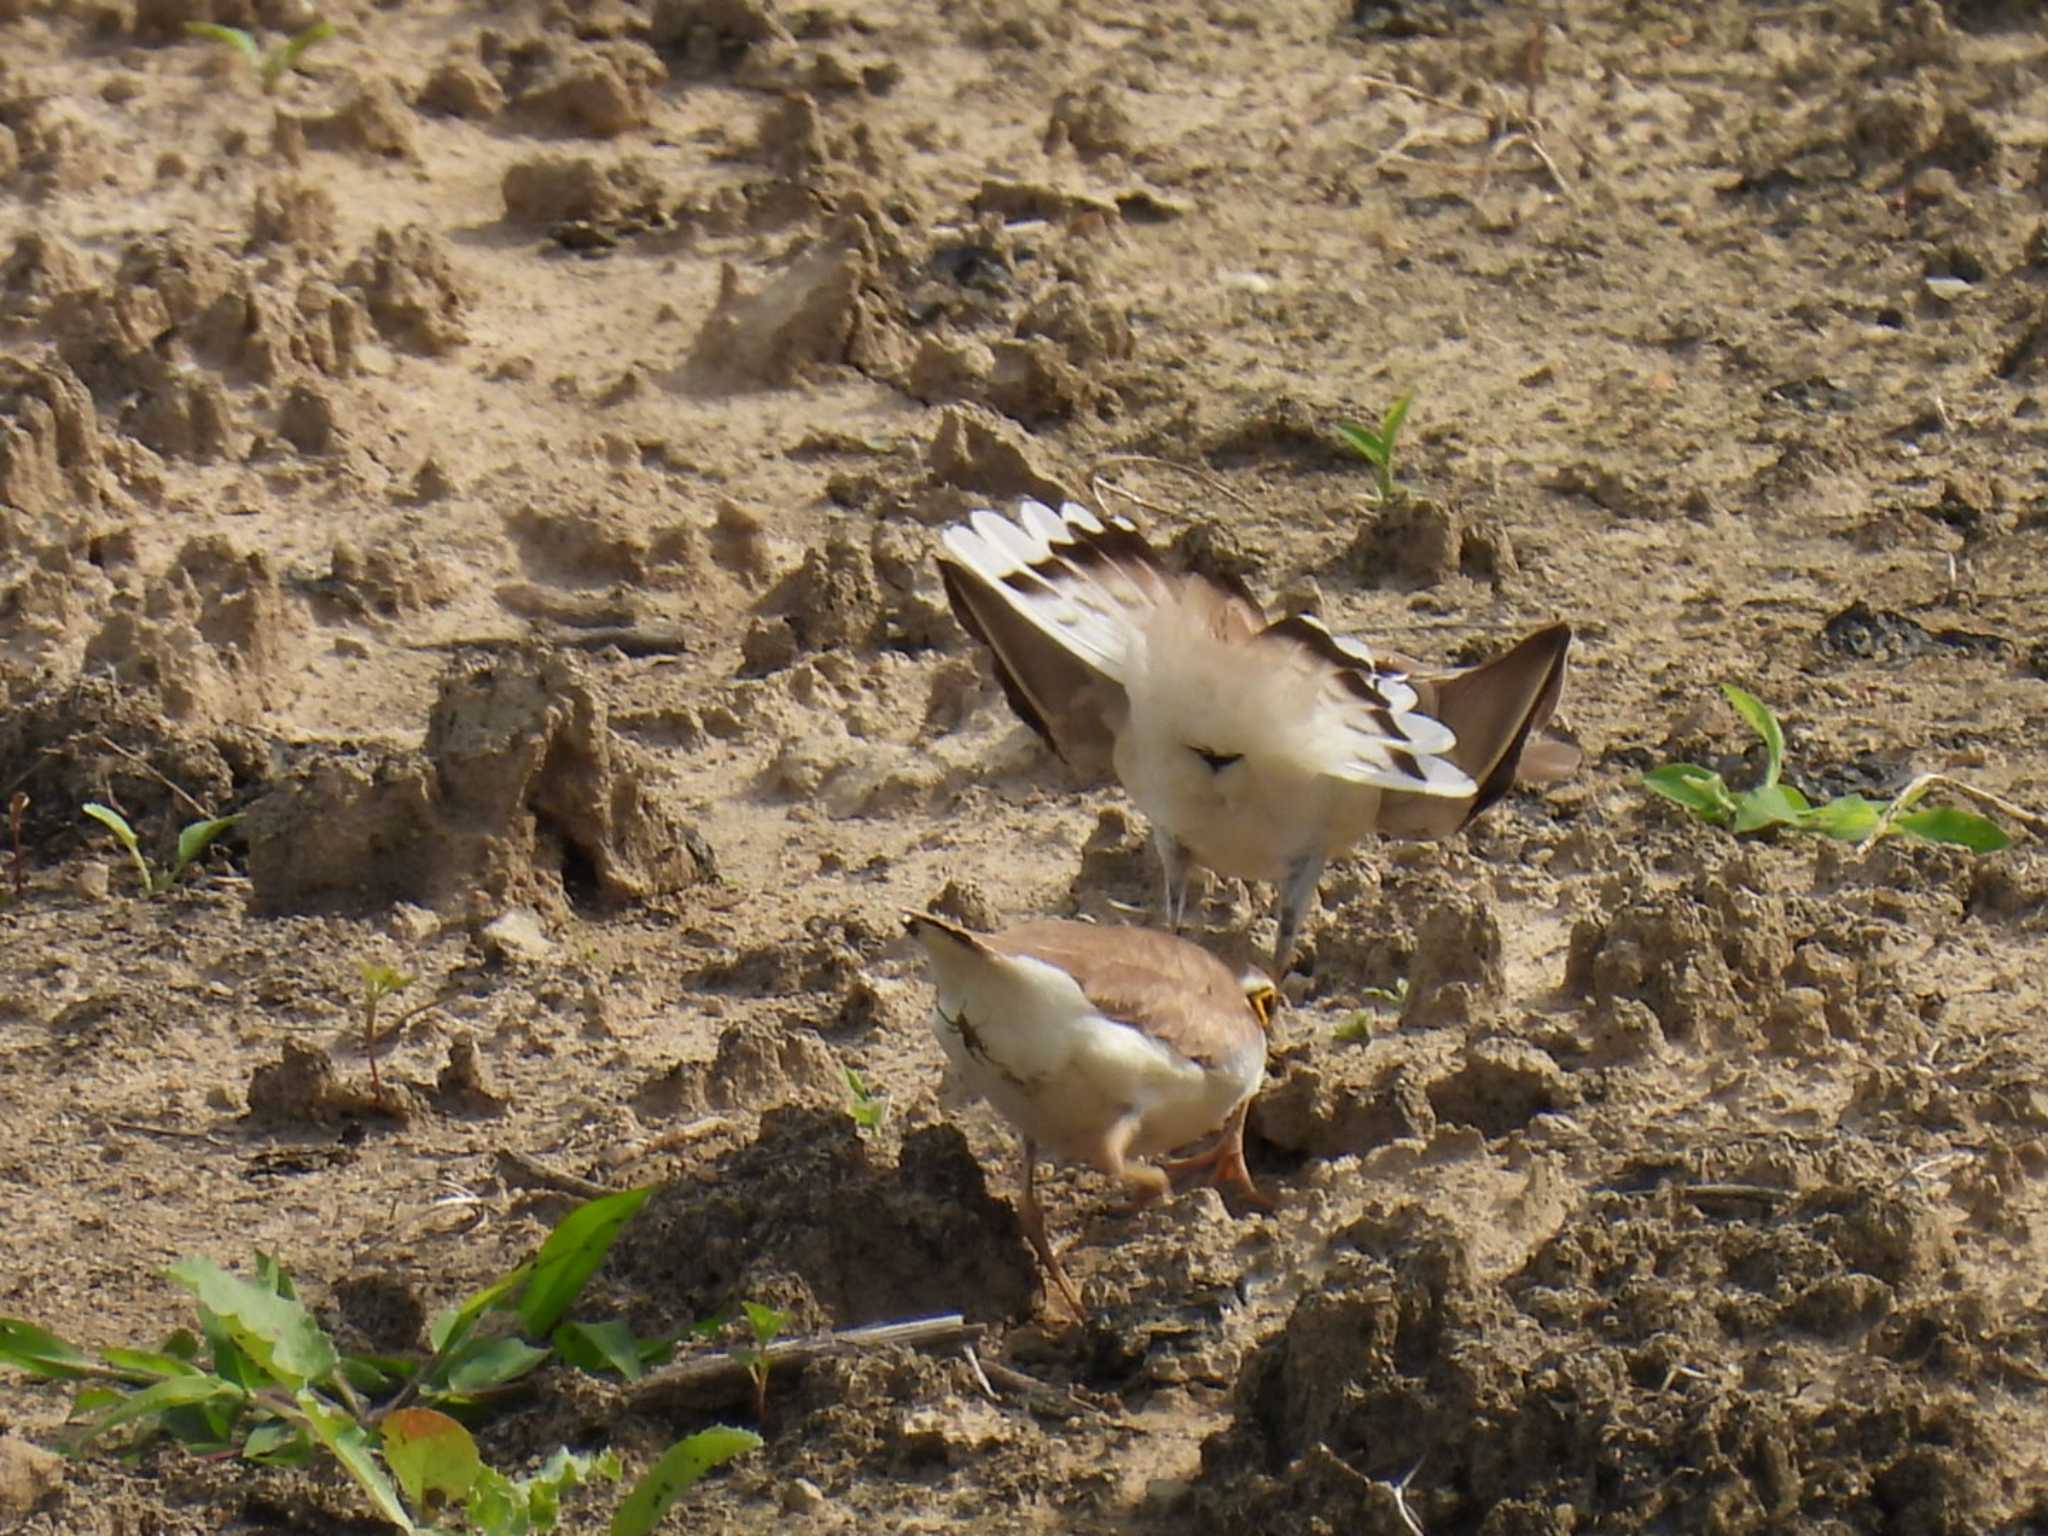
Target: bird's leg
(1297, 890)
(1145, 1183)
(1173, 875)
(1224, 1161)
(1032, 1218)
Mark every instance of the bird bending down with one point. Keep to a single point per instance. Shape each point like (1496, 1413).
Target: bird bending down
(1106, 1046)
(1255, 749)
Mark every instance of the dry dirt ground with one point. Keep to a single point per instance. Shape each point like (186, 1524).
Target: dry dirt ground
(505, 463)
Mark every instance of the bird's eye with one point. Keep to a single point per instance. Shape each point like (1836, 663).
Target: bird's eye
(1215, 762)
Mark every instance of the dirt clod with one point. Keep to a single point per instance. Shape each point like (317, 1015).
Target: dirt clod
(866, 1236)
(521, 789)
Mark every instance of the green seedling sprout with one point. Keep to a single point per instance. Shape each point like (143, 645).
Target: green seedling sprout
(1358, 1028)
(1771, 802)
(1377, 447)
(263, 1380)
(273, 66)
(379, 982)
(193, 842)
(765, 1323)
(869, 1109)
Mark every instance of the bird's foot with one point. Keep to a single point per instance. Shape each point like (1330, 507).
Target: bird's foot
(1223, 1165)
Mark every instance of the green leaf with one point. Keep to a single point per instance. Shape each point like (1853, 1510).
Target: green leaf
(381, 981)
(1390, 424)
(1765, 724)
(496, 1506)
(1963, 829)
(766, 1322)
(40, 1352)
(112, 820)
(563, 1470)
(195, 840)
(276, 1332)
(451, 1325)
(377, 1373)
(182, 1344)
(1699, 790)
(350, 1443)
(1778, 806)
(681, 1465)
(116, 823)
(869, 1109)
(271, 1276)
(286, 59)
(1363, 441)
(90, 1400)
(277, 1443)
(607, 1346)
(172, 1392)
(234, 37)
(429, 1453)
(571, 1255)
(206, 1428)
(483, 1364)
(230, 1361)
(148, 1362)
(1847, 817)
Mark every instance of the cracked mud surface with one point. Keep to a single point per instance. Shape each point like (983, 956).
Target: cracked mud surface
(505, 462)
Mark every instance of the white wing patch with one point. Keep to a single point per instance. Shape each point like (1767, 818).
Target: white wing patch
(1369, 723)
(1090, 608)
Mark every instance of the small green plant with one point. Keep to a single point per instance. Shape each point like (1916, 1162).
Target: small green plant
(270, 67)
(379, 982)
(765, 1324)
(1359, 1026)
(262, 1380)
(1773, 803)
(1377, 447)
(193, 842)
(869, 1109)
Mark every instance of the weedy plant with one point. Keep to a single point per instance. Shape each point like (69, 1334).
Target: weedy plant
(1359, 1026)
(869, 1109)
(765, 1323)
(1377, 447)
(379, 982)
(193, 842)
(1771, 802)
(263, 1380)
(270, 67)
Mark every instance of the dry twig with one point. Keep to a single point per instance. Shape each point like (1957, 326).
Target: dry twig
(667, 1141)
(115, 747)
(2033, 821)
(727, 1377)
(522, 1172)
(1097, 484)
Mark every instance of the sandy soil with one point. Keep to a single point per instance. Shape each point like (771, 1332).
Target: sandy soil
(505, 464)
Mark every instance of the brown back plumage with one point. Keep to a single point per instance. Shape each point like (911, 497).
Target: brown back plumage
(1165, 987)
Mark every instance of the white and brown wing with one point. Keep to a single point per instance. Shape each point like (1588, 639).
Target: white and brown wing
(1060, 599)
(1497, 711)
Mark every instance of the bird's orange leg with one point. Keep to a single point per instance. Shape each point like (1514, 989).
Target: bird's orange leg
(1032, 1218)
(1224, 1162)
